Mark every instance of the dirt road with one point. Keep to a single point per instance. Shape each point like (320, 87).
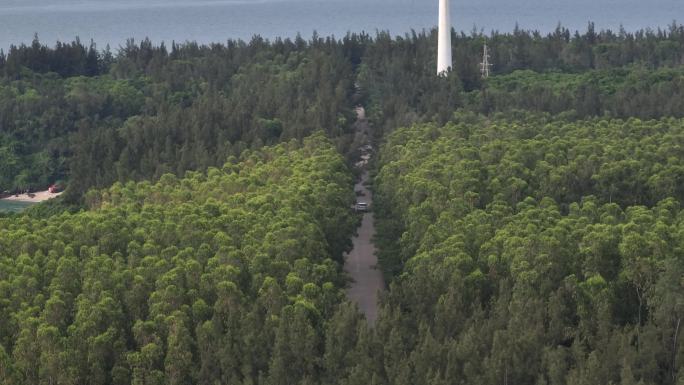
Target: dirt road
(361, 262)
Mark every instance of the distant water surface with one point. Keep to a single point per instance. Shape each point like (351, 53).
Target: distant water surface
(13, 207)
(113, 21)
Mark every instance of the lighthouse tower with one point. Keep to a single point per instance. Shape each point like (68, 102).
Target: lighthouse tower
(444, 60)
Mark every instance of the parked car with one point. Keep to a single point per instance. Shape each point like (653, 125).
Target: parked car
(361, 207)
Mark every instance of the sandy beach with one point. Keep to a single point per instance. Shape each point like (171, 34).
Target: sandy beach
(36, 197)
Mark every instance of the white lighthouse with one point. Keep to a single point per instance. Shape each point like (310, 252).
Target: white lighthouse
(444, 60)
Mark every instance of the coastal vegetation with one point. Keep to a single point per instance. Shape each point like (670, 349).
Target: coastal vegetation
(153, 110)
(71, 112)
(223, 276)
(529, 225)
(533, 251)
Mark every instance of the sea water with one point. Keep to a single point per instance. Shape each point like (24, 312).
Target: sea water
(111, 22)
(13, 206)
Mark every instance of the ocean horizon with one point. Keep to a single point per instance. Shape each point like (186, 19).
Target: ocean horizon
(206, 21)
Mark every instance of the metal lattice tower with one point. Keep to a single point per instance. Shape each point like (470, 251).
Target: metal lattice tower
(485, 66)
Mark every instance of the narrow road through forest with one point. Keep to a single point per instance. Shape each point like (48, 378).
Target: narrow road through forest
(360, 262)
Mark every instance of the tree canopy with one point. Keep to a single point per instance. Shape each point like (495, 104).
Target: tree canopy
(532, 251)
(226, 276)
(530, 224)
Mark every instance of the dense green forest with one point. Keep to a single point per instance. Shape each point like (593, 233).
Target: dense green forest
(582, 75)
(90, 117)
(224, 277)
(533, 251)
(474, 162)
(71, 113)
(530, 225)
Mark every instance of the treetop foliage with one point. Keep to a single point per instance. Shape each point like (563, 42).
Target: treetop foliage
(95, 117)
(200, 279)
(533, 251)
(530, 224)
